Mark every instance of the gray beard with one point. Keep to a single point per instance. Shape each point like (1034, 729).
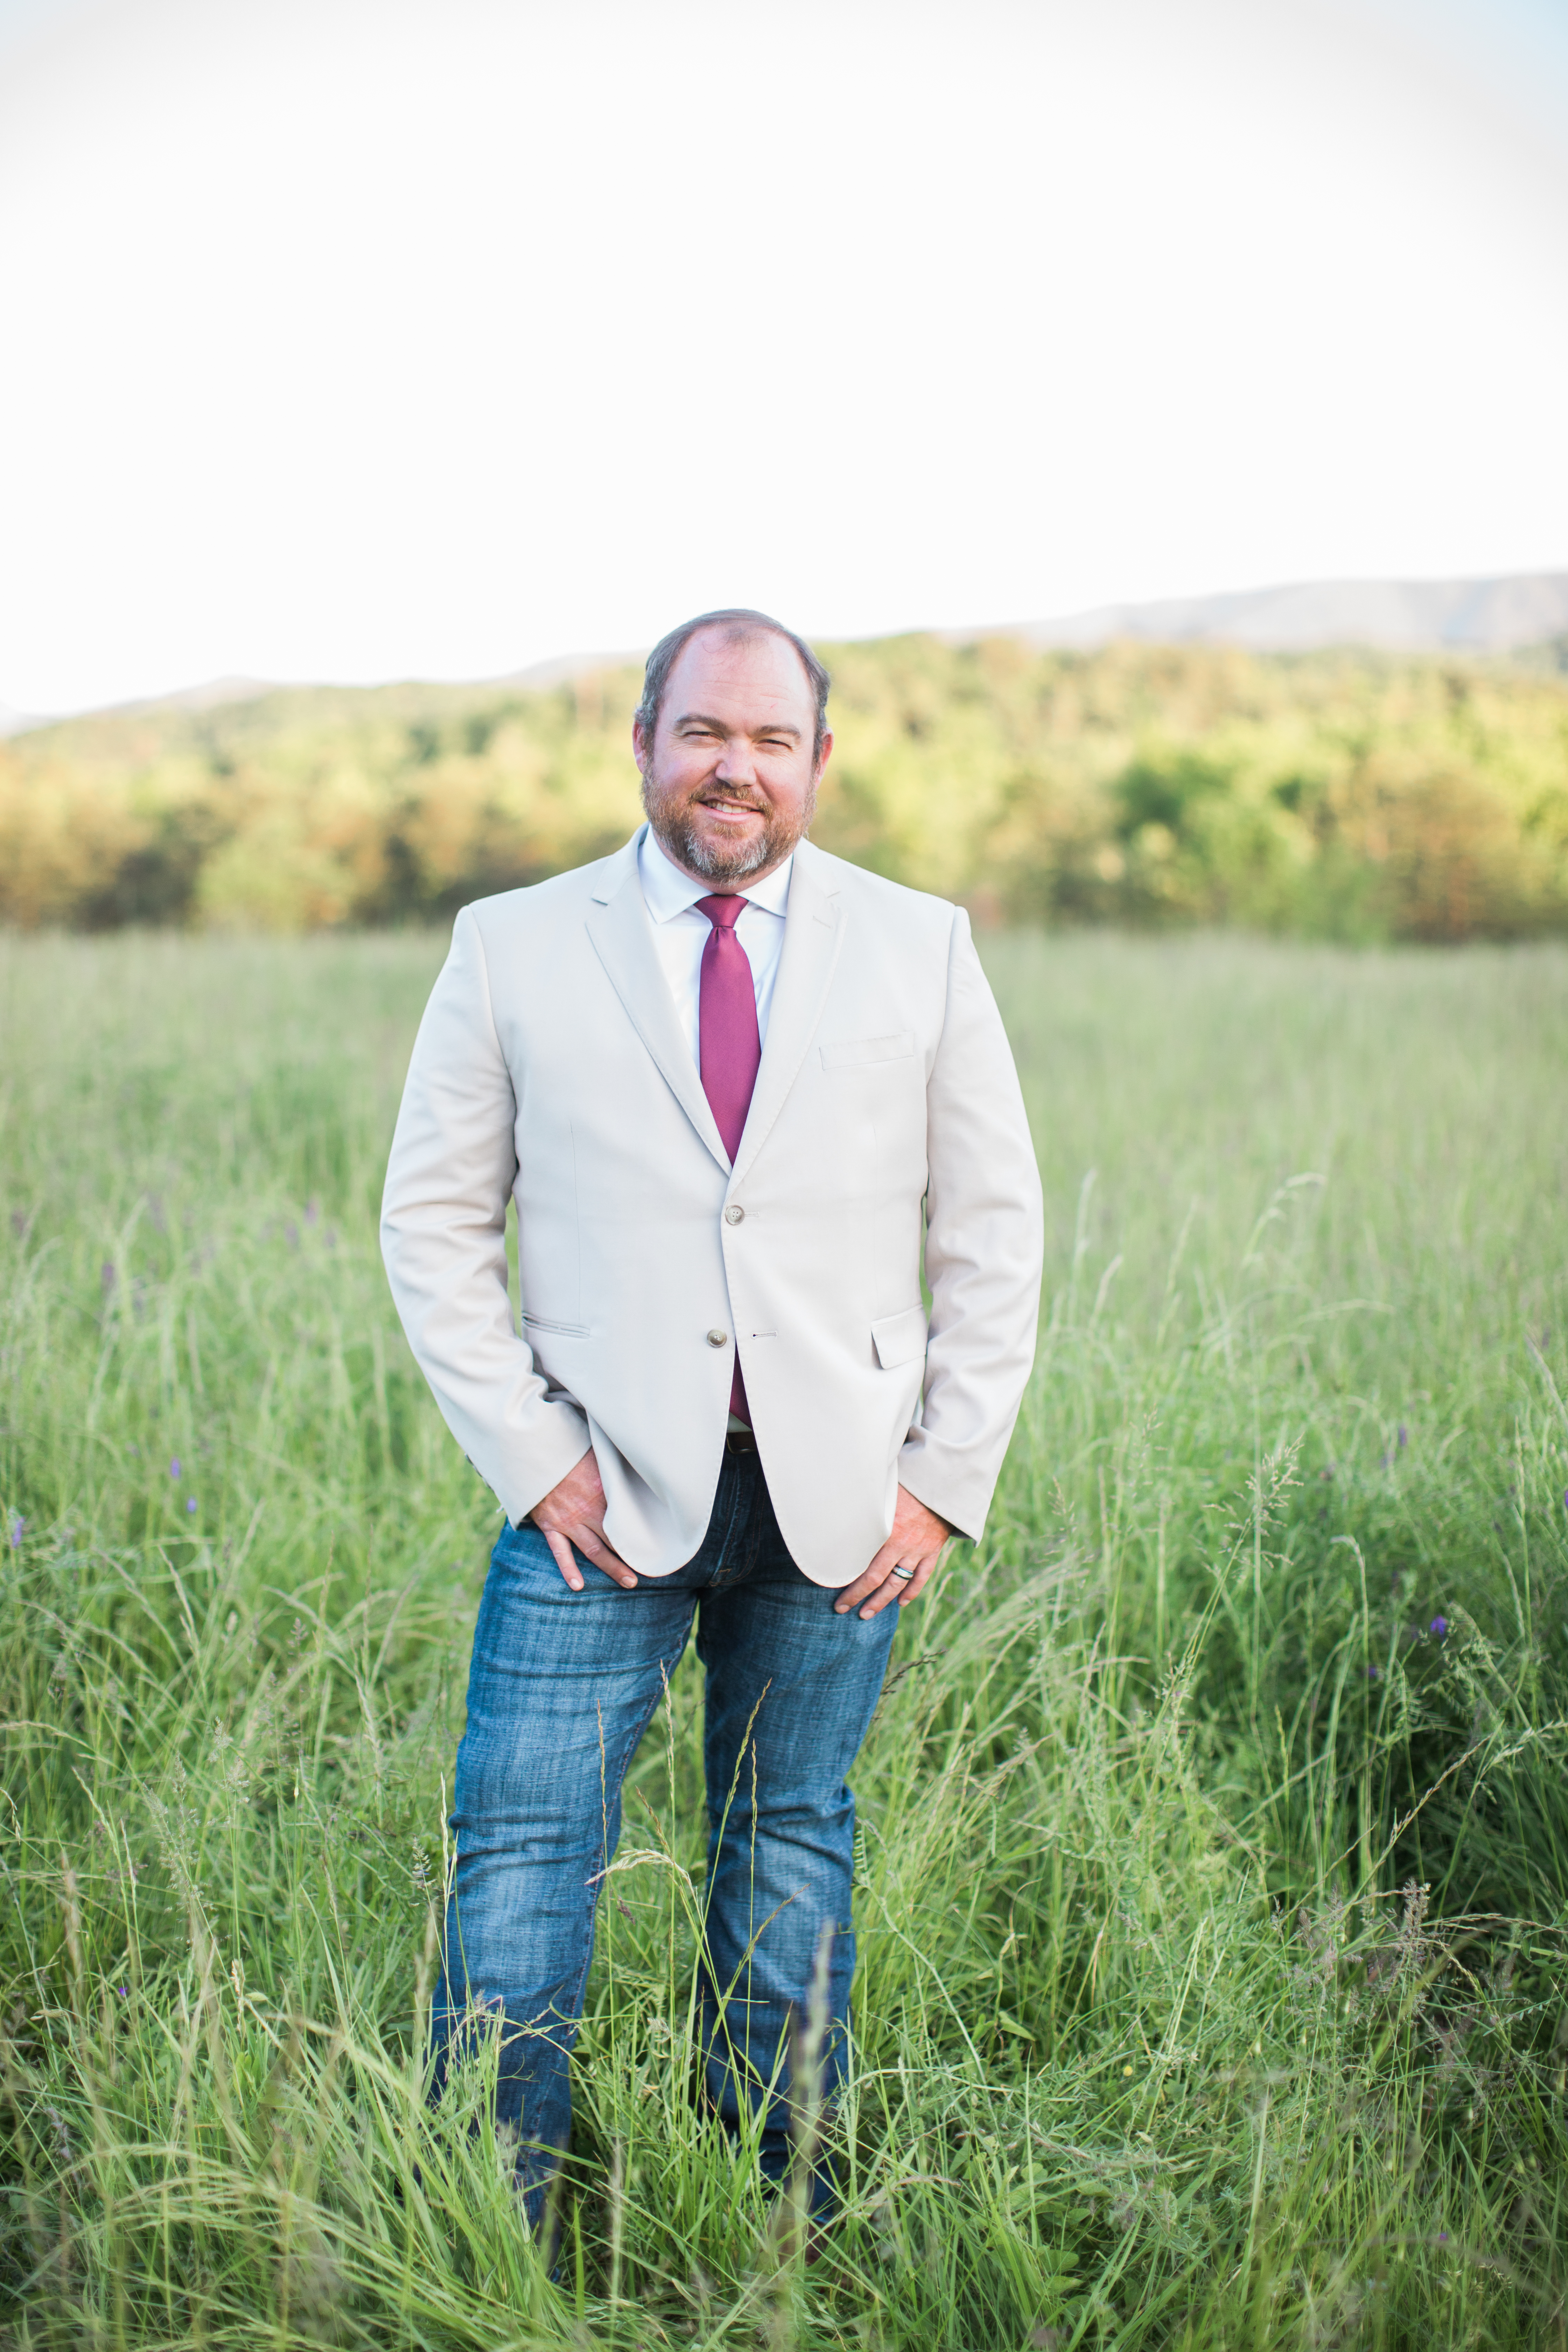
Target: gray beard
(677, 833)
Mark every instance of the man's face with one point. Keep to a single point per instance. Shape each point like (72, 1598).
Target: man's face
(730, 780)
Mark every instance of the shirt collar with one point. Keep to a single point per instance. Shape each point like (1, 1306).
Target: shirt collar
(668, 892)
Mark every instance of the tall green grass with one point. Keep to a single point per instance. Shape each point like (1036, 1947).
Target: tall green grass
(1213, 1884)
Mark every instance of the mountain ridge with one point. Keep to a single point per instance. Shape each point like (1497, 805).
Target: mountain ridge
(1500, 613)
(1496, 613)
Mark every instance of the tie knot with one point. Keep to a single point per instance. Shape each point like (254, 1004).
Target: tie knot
(723, 913)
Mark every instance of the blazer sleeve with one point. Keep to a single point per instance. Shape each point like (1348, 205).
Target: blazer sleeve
(985, 1238)
(443, 1237)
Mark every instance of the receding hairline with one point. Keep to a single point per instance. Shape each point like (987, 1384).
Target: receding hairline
(742, 632)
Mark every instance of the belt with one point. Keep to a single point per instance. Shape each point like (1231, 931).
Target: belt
(740, 1441)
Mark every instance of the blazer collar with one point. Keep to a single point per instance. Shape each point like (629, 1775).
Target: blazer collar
(623, 939)
(814, 930)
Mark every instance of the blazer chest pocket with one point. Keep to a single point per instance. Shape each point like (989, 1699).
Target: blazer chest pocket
(854, 1051)
(900, 1339)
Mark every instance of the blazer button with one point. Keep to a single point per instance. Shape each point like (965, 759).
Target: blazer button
(734, 1214)
(717, 1339)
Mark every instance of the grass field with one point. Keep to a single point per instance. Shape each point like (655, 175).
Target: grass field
(1214, 1881)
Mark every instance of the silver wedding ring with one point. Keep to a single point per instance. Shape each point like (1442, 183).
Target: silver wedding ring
(903, 1574)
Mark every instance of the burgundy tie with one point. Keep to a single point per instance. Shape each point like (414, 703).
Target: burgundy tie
(730, 1049)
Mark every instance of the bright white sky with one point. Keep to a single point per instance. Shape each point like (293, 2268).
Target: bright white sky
(358, 339)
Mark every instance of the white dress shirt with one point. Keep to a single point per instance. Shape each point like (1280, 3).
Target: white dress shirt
(681, 931)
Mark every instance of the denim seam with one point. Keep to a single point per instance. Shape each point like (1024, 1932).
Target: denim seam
(745, 1539)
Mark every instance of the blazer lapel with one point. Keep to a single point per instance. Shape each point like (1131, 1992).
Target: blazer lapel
(814, 931)
(622, 935)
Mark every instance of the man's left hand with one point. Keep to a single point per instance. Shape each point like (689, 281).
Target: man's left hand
(916, 1542)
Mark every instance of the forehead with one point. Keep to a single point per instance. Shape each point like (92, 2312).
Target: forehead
(754, 678)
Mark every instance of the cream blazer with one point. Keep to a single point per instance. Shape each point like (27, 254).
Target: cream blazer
(549, 1067)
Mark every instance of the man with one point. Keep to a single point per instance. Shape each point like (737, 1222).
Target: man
(723, 1077)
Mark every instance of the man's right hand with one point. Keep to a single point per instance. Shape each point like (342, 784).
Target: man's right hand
(571, 1517)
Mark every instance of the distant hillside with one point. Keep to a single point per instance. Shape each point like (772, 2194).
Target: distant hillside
(1345, 795)
(1394, 615)
(1518, 613)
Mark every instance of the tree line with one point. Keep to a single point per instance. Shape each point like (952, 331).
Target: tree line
(1340, 795)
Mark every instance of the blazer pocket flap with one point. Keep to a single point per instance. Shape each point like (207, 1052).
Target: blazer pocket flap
(901, 1338)
(560, 1330)
(852, 1050)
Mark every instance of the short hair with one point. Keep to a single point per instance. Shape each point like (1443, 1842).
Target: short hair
(736, 621)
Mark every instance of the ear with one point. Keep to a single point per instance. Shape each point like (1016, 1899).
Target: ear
(825, 754)
(642, 751)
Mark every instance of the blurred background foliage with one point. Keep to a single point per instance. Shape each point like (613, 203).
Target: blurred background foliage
(1348, 795)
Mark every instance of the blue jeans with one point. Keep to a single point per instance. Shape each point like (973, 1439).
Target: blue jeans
(562, 1688)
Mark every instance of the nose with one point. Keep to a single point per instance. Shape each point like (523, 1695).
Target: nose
(735, 764)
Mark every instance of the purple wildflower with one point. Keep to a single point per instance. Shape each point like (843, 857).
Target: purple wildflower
(18, 1529)
(174, 1467)
(108, 1276)
(1439, 1626)
(190, 1502)
(1404, 1437)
